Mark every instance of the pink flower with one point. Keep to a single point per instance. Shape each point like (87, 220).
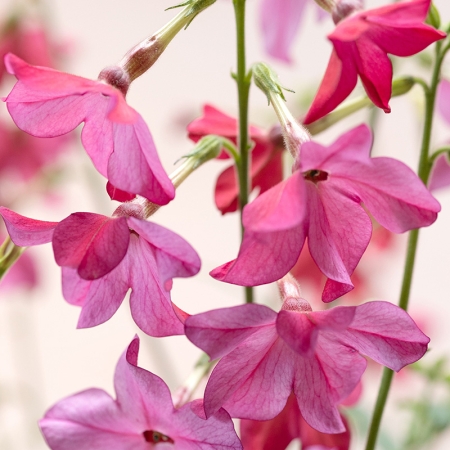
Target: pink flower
(278, 433)
(322, 201)
(48, 103)
(316, 355)
(102, 257)
(266, 156)
(142, 417)
(361, 43)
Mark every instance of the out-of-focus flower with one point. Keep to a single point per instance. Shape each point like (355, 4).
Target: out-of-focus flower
(322, 201)
(361, 43)
(142, 417)
(102, 257)
(266, 157)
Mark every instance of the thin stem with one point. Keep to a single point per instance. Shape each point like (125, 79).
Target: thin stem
(423, 172)
(243, 84)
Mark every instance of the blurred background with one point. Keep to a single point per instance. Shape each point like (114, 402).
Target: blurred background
(43, 357)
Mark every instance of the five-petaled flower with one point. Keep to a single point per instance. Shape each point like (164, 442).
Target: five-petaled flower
(321, 201)
(264, 355)
(142, 415)
(361, 43)
(48, 103)
(102, 257)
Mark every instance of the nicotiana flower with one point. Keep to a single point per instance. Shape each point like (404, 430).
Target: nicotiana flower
(102, 257)
(141, 417)
(266, 168)
(322, 201)
(48, 103)
(264, 355)
(278, 433)
(361, 43)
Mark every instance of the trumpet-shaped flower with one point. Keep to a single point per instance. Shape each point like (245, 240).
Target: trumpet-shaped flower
(142, 417)
(322, 201)
(48, 103)
(102, 257)
(361, 44)
(314, 354)
(266, 156)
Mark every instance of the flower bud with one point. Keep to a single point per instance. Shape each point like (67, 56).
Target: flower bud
(294, 134)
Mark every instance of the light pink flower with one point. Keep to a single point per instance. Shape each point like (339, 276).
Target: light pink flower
(361, 43)
(266, 157)
(322, 201)
(278, 433)
(48, 103)
(142, 417)
(316, 355)
(102, 257)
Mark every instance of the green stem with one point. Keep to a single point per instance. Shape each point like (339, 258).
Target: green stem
(423, 172)
(243, 85)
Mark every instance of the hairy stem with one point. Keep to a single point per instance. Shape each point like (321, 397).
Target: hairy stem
(423, 172)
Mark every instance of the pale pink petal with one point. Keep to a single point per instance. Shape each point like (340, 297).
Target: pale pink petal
(174, 256)
(26, 232)
(279, 208)
(338, 82)
(23, 274)
(443, 99)
(91, 243)
(150, 302)
(90, 420)
(336, 241)
(219, 331)
(440, 174)
(337, 319)
(254, 381)
(263, 257)
(387, 334)
(324, 380)
(280, 20)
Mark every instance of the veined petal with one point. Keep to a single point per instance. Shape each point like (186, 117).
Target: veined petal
(219, 331)
(26, 232)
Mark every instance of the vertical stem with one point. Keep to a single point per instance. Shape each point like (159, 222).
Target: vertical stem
(243, 84)
(423, 172)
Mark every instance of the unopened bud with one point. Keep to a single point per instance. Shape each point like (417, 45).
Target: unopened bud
(141, 57)
(294, 135)
(402, 85)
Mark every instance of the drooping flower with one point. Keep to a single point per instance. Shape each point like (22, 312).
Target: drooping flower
(264, 355)
(102, 257)
(278, 433)
(141, 417)
(361, 44)
(266, 156)
(48, 103)
(322, 201)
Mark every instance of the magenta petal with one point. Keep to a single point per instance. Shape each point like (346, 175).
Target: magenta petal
(92, 243)
(324, 380)
(297, 331)
(280, 208)
(118, 194)
(26, 232)
(219, 331)
(440, 174)
(90, 420)
(174, 256)
(263, 258)
(150, 302)
(279, 22)
(387, 334)
(338, 82)
(262, 364)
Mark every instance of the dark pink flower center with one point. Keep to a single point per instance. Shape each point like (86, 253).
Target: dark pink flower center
(155, 436)
(315, 175)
